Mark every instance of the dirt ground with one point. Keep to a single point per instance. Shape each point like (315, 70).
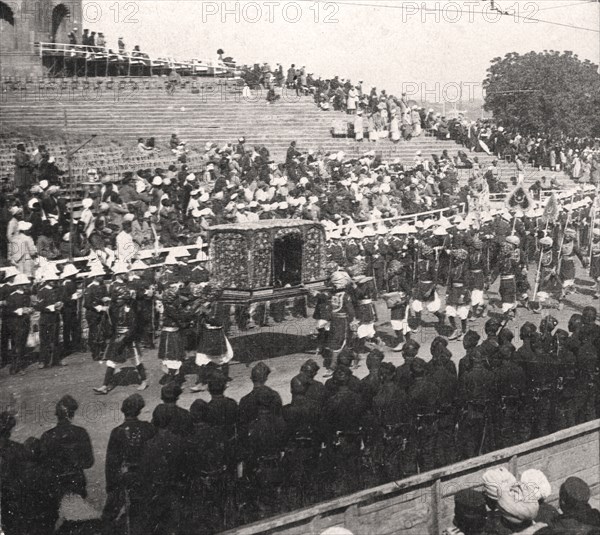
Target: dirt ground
(283, 347)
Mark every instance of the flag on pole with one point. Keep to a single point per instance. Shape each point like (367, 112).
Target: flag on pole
(519, 199)
(551, 210)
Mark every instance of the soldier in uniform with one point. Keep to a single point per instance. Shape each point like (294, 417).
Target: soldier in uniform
(162, 470)
(425, 294)
(442, 372)
(365, 312)
(477, 276)
(303, 445)
(397, 300)
(423, 398)
(470, 341)
(49, 304)
(70, 296)
(123, 455)
(369, 385)
(322, 314)
(511, 384)
(476, 395)
(341, 421)
(458, 293)
(171, 349)
(315, 390)
(18, 321)
(96, 304)
(404, 376)
(542, 373)
(546, 277)
(208, 472)
(509, 269)
(123, 345)
(394, 450)
(262, 446)
(566, 262)
(141, 279)
(248, 407)
(567, 384)
(588, 364)
(67, 450)
(342, 317)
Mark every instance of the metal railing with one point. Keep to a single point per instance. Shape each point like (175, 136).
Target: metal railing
(134, 58)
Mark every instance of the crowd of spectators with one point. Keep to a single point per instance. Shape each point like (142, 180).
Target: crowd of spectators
(233, 183)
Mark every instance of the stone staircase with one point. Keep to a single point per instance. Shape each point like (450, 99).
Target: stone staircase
(218, 113)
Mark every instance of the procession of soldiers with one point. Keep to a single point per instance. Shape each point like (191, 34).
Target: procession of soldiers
(256, 458)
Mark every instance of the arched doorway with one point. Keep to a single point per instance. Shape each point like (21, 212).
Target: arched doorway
(8, 32)
(60, 15)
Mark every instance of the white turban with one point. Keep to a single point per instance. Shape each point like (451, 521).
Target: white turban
(537, 483)
(495, 479)
(516, 504)
(340, 280)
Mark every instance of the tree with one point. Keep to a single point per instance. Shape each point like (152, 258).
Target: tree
(547, 92)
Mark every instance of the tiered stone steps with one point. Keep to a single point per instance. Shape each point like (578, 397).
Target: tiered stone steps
(217, 114)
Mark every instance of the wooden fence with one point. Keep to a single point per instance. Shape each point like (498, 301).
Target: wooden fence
(424, 504)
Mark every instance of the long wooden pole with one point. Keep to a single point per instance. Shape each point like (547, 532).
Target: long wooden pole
(71, 185)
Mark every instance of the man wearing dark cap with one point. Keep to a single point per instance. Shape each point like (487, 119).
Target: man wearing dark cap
(476, 394)
(248, 404)
(523, 357)
(589, 365)
(262, 446)
(511, 382)
(577, 516)
(345, 358)
(303, 445)
(490, 347)
(404, 376)
(442, 373)
(67, 450)
(12, 456)
(315, 390)
(209, 464)
(469, 513)
(180, 421)
(371, 383)
(423, 400)
(341, 422)
(395, 448)
(223, 411)
(470, 341)
(123, 455)
(567, 384)
(161, 472)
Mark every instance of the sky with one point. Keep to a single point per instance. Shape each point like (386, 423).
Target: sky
(433, 50)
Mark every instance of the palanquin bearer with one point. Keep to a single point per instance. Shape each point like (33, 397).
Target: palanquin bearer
(595, 260)
(365, 311)
(509, 267)
(342, 317)
(213, 351)
(398, 299)
(458, 302)
(546, 274)
(477, 276)
(566, 262)
(425, 294)
(96, 303)
(171, 348)
(123, 345)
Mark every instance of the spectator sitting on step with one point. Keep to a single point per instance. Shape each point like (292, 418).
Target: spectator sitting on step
(143, 147)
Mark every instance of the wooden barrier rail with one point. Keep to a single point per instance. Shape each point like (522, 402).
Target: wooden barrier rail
(424, 504)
